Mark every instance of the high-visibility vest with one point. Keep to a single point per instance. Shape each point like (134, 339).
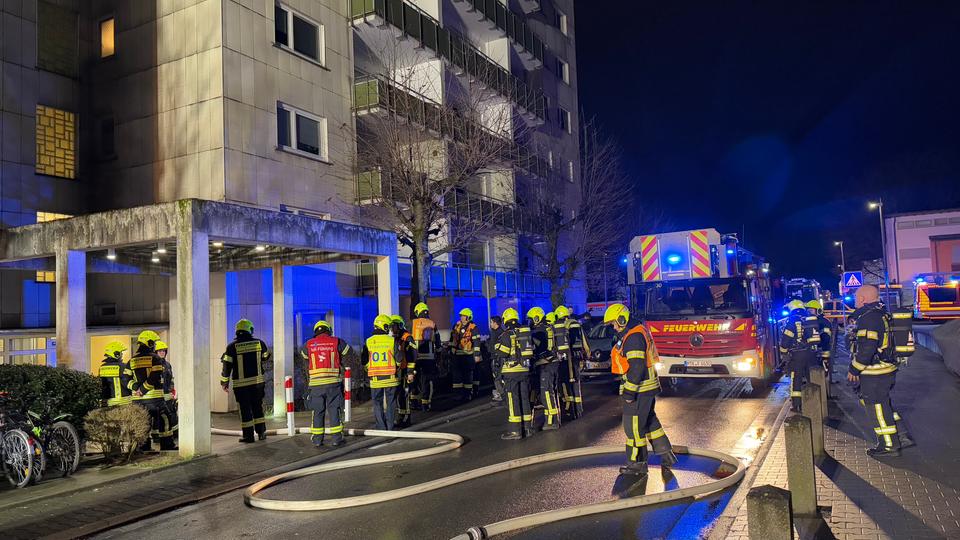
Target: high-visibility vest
(521, 351)
(462, 337)
(323, 357)
(382, 364)
(618, 360)
(423, 335)
(561, 337)
(110, 374)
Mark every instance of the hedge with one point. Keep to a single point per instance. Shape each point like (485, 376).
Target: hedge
(52, 391)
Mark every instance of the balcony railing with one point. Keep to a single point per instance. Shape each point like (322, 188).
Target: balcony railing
(482, 209)
(453, 47)
(511, 24)
(461, 279)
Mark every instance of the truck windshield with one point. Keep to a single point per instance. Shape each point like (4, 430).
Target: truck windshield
(697, 297)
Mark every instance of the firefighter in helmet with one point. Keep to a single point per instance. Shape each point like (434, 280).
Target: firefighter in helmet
(633, 357)
(114, 376)
(825, 328)
(169, 389)
(427, 340)
(515, 351)
(244, 364)
(324, 354)
(465, 344)
(146, 384)
(407, 357)
(799, 343)
(548, 369)
(379, 359)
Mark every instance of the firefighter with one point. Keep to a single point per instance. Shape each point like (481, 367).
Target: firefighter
(633, 357)
(570, 366)
(496, 360)
(169, 389)
(799, 341)
(379, 359)
(873, 365)
(114, 376)
(243, 363)
(548, 368)
(465, 344)
(407, 357)
(146, 385)
(427, 340)
(324, 354)
(825, 328)
(514, 349)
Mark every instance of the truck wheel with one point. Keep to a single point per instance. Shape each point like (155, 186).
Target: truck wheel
(759, 385)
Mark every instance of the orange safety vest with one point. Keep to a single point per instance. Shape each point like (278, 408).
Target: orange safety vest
(618, 361)
(465, 338)
(323, 354)
(402, 343)
(382, 366)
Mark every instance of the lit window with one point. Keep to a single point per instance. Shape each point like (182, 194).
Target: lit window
(43, 217)
(46, 277)
(563, 71)
(564, 120)
(301, 132)
(56, 141)
(570, 174)
(562, 22)
(297, 33)
(106, 38)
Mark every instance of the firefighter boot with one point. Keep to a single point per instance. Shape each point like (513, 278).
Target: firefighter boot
(511, 436)
(668, 459)
(529, 429)
(882, 451)
(906, 441)
(631, 481)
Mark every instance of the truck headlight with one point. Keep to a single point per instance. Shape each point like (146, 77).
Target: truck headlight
(658, 366)
(744, 364)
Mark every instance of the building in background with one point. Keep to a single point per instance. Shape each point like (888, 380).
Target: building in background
(921, 243)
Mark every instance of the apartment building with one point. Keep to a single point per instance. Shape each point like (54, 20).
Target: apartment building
(178, 164)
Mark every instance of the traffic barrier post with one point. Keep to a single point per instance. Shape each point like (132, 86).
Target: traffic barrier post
(288, 392)
(769, 515)
(819, 377)
(811, 405)
(346, 395)
(801, 477)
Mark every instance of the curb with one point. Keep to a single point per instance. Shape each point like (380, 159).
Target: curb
(192, 498)
(739, 497)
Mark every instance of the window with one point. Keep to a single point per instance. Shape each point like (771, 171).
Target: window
(43, 217)
(301, 132)
(106, 142)
(44, 276)
(106, 38)
(562, 22)
(56, 140)
(563, 118)
(299, 34)
(570, 173)
(563, 71)
(57, 39)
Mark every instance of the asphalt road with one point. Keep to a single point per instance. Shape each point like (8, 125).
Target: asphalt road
(721, 415)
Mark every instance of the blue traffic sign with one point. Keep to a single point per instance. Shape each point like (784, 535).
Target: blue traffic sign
(852, 280)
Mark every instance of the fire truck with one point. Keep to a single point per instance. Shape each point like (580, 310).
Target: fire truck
(707, 303)
(937, 296)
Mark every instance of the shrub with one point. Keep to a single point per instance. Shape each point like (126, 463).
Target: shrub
(52, 391)
(119, 431)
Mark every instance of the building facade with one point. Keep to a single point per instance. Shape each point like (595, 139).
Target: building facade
(922, 243)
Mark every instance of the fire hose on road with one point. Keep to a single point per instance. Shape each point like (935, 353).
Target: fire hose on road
(452, 442)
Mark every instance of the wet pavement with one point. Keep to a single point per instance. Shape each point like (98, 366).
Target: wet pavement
(720, 415)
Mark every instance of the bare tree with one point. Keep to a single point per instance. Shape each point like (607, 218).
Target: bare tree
(435, 152)
(575, 241)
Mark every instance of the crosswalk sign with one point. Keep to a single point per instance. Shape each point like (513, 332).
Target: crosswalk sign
(852, 280)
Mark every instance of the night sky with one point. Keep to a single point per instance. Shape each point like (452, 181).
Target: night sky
(780, 119)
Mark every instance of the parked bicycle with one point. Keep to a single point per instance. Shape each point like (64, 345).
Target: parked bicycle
(17, 447)
(53, 442)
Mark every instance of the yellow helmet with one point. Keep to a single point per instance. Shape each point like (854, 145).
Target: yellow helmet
(148, 338)
(551, 318)
(245, 325)
(536, 314)
(160, 346)
(114, 349)
(814, 304)
(382, 322)
(510, 314)
(396, 319)
(562, 312)
(420, 309)
(468, 312)
(322, 326)
(794, 305)
(617, 313)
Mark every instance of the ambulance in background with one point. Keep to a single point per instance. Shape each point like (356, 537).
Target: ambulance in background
(707, 304)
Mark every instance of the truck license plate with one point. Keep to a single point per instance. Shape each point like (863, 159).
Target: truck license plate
(698, 363)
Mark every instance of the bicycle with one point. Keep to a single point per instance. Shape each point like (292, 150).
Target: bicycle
(17, 448)
(54, 440)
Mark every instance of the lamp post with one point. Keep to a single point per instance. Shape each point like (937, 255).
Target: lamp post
(843, 261)
(883, 240)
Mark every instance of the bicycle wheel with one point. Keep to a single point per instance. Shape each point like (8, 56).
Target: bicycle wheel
(63, 446)
(18, 457)
(39, 461)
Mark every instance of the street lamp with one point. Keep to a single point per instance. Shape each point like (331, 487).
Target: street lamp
(878, 205)
(843, 261)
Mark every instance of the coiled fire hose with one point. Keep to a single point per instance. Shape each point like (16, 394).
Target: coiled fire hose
(453, 442)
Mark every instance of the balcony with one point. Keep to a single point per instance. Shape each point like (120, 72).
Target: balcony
(491, 19)
(499, 214)
(452, 46)
(461, 279)
(529, 6)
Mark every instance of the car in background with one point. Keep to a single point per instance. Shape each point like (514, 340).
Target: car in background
(600, 340)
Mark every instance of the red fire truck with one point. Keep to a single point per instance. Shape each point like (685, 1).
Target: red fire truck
(707, 303)
(937, 296)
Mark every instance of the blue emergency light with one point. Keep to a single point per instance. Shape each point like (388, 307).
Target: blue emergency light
(673, 258)
(848, 298)
(920, 280)
(731, 251)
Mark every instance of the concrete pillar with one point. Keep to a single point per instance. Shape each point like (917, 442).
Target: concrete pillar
(191, 339)
(818, 376)
(283, 346)
(769, 515)
(801, 477)
(811, 407)
(220, 401)
(73, 346)
(388, 288)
